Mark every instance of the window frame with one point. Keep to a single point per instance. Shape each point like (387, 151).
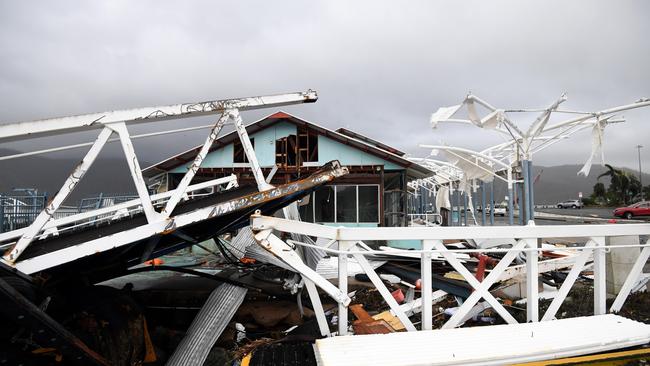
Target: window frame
(356, 190)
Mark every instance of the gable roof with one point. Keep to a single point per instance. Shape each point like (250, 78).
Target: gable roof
(343, 136)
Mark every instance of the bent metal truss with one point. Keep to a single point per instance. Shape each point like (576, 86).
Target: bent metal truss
(158, 210)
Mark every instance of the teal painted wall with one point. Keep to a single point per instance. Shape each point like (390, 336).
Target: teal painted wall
(328, 150)
(405, 244)
(264, 149)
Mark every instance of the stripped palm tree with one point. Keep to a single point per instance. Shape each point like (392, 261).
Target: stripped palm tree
(621, 182)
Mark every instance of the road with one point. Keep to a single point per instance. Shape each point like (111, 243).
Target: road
(604, 213)
(587, 212)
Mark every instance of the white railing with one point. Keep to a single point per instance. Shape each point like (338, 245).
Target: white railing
(108, 213)
(349, 243)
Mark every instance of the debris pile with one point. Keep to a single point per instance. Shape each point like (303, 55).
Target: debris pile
(147, 316)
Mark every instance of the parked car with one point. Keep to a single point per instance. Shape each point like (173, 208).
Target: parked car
(499, 210)
(570, 204)
(638, 209)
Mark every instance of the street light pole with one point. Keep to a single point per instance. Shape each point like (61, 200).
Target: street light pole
(638, 147)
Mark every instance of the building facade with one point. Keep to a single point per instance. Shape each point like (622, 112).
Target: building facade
(373, 194)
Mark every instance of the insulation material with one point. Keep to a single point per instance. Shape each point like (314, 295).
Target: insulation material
(471, 112)
(470, 205)
(472, 167)
(492, 120)
(442, 198)
(597, 137)
(442, 114)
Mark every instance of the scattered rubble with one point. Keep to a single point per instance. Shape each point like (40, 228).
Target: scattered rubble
(143, 318)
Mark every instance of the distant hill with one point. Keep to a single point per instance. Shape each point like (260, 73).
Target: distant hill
(559, 183)
(110, 175)
(107, 175)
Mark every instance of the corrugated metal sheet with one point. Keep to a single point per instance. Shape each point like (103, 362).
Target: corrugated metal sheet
(208, 325)
(489, 345)
(241, 241)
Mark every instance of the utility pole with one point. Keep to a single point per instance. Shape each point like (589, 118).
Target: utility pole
(638, 147)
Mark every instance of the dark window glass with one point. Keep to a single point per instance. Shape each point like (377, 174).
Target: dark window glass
(346, 203)
(306, 208)
(324, 204)
(368, 204)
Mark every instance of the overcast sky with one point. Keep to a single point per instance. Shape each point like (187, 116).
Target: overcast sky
(380, 68)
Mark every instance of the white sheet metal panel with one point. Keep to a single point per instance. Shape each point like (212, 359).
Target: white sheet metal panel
(329, 267)
(489, 345)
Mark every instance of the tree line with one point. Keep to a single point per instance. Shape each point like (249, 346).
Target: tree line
(624, 188)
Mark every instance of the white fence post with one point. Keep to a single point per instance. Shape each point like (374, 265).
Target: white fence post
(426, 284)
(600, 285)
(532, 273)
(343, 246)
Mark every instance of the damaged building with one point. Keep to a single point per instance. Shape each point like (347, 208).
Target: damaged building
(292, 230)
(374, 193)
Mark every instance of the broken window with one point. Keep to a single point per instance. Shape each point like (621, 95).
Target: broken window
(285, 151)
(295, 150)
(239, 155)
(307, 145)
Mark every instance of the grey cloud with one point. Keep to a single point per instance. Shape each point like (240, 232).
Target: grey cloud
(380, 68)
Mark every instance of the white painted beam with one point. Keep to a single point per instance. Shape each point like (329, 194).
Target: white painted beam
(56, 126)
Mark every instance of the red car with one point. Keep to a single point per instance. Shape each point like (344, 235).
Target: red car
(638, 209)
